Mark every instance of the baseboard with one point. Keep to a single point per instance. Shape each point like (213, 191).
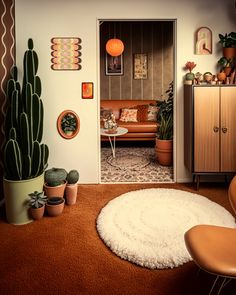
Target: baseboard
(184, 180)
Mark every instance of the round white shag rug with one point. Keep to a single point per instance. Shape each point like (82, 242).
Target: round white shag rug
(147, 226)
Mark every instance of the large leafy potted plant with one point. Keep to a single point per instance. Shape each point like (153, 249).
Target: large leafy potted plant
(164, 139)
(25, 157)
(228, 42)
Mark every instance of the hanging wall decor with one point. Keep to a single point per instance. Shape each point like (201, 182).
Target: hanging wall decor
(66, 53)
(203, 41)
(68, 124)
(87, 90)
(114, 65)
(140, 66)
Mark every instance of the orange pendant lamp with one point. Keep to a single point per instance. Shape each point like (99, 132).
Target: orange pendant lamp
(114, 47)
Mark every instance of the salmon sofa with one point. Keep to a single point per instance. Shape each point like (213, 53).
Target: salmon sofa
(142, 130)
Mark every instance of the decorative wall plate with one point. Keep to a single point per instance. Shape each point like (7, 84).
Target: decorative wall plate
(68, 124)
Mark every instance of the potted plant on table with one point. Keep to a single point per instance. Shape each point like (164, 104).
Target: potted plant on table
(25, 157)
(164, 139)
(37, 204)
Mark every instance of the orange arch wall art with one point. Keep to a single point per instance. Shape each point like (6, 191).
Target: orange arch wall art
(66, 53)
(203, 43)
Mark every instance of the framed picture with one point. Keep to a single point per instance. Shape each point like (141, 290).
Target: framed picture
(140, 66)
(87, 90)
(203, 41)
(68, 124)
(66, 52)
(114, 65)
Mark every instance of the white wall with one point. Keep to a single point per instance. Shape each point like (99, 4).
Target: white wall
(43, 19)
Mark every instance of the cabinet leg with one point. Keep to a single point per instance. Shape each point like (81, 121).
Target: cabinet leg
(197, 182)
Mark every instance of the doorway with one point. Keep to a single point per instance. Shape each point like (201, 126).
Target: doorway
(155, 41)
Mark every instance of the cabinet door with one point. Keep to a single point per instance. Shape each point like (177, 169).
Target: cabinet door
(228, 129)
(206, 129)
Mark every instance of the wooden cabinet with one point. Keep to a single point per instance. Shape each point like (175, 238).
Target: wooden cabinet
(210, 128)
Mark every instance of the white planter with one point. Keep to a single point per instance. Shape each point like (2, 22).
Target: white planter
(16, 198)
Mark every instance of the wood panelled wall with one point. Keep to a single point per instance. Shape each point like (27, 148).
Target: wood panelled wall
(7, 55)
(152, 37)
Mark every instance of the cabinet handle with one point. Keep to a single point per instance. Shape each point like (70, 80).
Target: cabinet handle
(224, 129)
(216, 129)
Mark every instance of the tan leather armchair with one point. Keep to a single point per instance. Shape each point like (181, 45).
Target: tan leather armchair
(213, 248)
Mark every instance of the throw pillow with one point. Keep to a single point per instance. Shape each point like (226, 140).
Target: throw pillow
(152, 113)
(129, 115)
(142, 112)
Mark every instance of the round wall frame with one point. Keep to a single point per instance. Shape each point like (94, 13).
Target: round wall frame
(68, 124)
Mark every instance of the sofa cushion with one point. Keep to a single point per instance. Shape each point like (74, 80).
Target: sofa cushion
(129, 115)
(152, 113)
(139, 127)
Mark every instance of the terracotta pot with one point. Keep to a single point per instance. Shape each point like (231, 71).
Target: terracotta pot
(37, 213)
(71, 193)
(55, 210)
(229, 52)
(164, 152)
(227, 70)
(221, 76)
(52, 191)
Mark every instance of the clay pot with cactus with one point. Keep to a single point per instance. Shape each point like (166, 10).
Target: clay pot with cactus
(25, 157)
(72, 187)
(37, 204)
(55, 206)
(55, 182)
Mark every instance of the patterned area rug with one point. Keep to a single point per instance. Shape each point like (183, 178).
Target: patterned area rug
(147, 226)
(133, 164)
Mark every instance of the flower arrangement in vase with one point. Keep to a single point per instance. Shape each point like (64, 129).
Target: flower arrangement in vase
(190, 65)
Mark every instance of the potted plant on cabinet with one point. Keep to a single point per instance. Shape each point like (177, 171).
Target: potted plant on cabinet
(228, 42)
(227, 65)
(55, 182)
(72, 187)
(25, 157)
(37, 204)
(164, 139)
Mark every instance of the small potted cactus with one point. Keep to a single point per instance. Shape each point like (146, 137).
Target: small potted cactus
(55, 206)
(37, 204)
(55, 182)
(72, 187)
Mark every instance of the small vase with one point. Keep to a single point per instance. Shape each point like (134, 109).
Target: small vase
(190, 76)
(71, 193)
(221, 76)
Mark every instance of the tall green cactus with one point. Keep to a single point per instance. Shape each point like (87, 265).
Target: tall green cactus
(25, 156)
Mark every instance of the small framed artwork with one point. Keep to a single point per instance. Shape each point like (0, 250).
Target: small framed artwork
(66, 52)
(203, 41)
(68, 124)
(140, 66)
(114, 65)
(87, 90)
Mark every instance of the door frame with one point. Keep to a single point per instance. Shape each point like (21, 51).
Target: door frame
(174, 21)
